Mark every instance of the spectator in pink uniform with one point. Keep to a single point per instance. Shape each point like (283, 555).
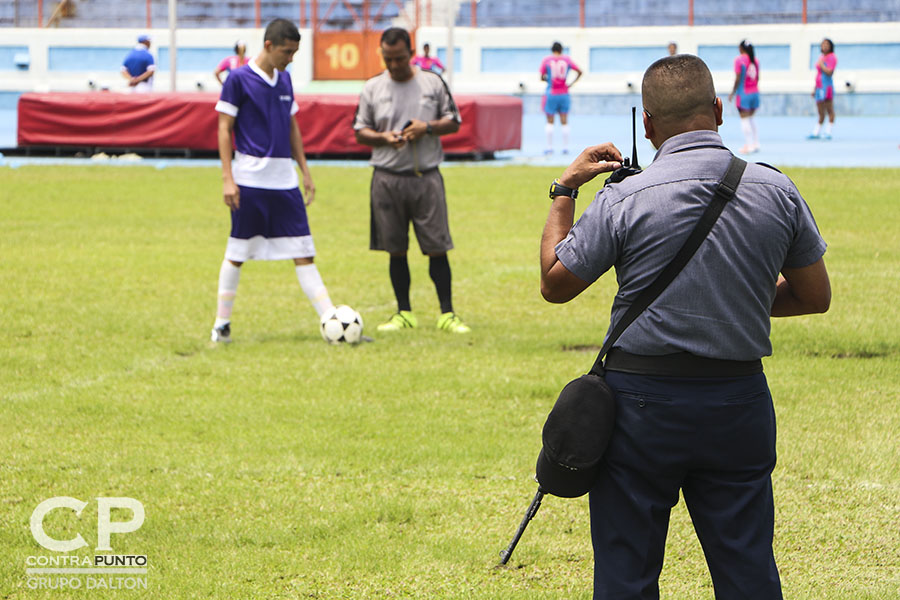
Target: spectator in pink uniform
(230, 63)
(746, 89)
(555, 71)
(426, 62)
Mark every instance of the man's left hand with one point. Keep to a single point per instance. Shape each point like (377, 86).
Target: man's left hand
(309, 189)
(590, 163)
(415, 130)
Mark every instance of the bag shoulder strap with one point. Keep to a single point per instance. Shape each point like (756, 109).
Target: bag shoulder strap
(724, 192)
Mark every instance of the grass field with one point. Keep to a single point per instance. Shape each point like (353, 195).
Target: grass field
(281, 467)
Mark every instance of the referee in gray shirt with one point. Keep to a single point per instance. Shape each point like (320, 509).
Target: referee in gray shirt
(402, 113)
(694, 413)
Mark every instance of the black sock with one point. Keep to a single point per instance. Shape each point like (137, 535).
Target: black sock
(399, 269)
(439, 269)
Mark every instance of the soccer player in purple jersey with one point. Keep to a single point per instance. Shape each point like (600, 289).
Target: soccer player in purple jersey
(555, 71)
(268, 216)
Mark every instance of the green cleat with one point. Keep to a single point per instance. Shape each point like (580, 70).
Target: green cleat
(452, 323)
(399, 320)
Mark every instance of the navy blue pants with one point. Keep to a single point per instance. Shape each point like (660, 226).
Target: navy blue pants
(713, 439)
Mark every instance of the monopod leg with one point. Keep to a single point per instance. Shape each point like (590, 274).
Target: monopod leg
(529, 514)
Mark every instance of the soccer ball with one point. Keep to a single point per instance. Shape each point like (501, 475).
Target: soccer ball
(341, 324)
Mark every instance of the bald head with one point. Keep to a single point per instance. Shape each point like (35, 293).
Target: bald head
(679, 94)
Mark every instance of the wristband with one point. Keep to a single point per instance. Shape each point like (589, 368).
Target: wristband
(558, 189)
(428, 129)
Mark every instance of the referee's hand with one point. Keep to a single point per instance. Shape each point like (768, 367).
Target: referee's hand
(415, 130)
(394, 139)
(231, 195)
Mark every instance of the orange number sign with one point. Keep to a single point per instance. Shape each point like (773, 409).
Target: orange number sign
(346, 55)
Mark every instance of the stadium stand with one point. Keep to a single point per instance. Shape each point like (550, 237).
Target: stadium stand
(611, 13)
(489, 13)
(544, 13)
(341, 15)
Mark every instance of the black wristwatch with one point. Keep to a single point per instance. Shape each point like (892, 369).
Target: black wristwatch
(558, 189)
(428, 129)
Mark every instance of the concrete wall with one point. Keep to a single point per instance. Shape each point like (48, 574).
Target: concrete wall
(614, 57)
(67, 59)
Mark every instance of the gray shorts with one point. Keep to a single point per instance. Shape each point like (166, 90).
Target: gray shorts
(399, 199)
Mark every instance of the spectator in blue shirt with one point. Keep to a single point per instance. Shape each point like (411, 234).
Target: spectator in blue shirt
(138, 67)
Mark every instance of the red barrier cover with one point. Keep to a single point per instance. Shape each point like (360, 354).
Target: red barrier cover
(162, 120)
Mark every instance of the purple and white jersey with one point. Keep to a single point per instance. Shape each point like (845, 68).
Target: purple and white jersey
(263, 109)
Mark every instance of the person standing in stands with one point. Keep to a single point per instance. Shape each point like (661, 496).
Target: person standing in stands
(555, 71)
(138, 67)
(260, 185)
(746, 81)
(824, 92)
(429, 63)
(230, 63)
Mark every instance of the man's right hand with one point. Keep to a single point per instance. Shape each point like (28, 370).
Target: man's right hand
(394, 139)
(231, 195)
(590, 163)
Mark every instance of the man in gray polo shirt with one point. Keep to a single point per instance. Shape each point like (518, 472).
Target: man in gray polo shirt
(694, 412)
(402, 113)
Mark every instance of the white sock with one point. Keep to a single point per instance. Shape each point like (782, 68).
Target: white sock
(565, 137)
(548, 128)
(747, 128)
(817, 128)
(754, 133)
(828, 128)
(313, 287)
(229, 276)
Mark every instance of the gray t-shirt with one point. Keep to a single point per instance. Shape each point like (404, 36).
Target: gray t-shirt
(719, 305)
(386, 105)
